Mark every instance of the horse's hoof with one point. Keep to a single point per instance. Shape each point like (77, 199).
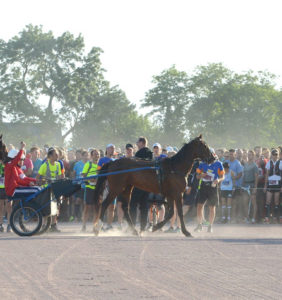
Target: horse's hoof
(187, 234)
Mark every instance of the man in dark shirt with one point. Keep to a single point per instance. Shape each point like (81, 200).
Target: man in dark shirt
(139, 196)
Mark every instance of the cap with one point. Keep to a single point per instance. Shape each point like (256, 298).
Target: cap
(13, 153)
(127, 146)
(274, 152)
(157, 145)
(226, 164)
(169, 149)
(110, 145)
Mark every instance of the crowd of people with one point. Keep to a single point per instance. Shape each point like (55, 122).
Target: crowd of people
(238, 186)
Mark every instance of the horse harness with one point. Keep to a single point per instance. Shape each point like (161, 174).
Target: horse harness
(160, 173)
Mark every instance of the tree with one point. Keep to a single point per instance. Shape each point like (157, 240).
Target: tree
(113, 119)
(47, 79)
(169, 100)
(238, 110)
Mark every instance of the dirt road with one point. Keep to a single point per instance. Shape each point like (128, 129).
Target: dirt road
(235, 262)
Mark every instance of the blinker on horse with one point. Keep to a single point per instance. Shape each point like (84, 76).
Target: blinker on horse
(174, 172)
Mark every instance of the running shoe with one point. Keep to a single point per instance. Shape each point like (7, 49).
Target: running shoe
(54, 228)
(170, 230)
(150, 227)
(253, 221)
(1, 228)
(206, 223)
(9, 228)
(71, 219)
(210, 229)
(109, 227)
(177, 230)
(199, 228)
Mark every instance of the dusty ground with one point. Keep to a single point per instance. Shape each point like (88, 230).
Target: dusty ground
(240, 262)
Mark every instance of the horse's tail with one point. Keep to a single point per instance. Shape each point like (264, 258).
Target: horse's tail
(100, 183)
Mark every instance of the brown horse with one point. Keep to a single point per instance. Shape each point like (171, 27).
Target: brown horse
(3, 150)
(174, 172)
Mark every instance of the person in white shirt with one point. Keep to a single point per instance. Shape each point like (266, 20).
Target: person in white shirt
(273, 183)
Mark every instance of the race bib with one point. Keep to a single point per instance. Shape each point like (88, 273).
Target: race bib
(209, 176)
(260, 173)
(273, 182)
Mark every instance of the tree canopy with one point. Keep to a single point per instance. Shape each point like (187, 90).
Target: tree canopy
(53, 82)
(230, 109)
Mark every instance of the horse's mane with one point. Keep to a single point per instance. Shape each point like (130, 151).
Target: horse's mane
(180, 155)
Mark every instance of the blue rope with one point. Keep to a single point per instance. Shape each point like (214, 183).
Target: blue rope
(115, 173)
(91, 177)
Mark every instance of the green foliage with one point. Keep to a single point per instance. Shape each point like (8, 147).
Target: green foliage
(169, 100)
(229, 109)
(52, 81)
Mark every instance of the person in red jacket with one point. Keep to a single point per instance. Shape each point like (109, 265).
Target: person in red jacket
(17, 185)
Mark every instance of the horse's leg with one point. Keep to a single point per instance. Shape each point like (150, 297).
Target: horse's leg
(168, 216)
(125, 206)
(180, 215)
(110, 198)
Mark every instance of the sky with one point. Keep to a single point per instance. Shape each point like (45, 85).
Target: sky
(142, 38)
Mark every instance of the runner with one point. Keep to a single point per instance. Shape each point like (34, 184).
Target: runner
(157, 155)
(129, 153)
(250, 181)
(226, 191)
(109, 156)
(140, 197)
(89, 169)
(273, 184)
(51, 170)
(211, 175)
(79, 196)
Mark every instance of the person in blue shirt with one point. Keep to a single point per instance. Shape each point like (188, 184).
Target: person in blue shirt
(109, 156)
(157, 155)
(79, 195)
(210, 174)
(226, 193)
(236, 167)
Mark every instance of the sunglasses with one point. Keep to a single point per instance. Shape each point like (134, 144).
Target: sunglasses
(22, 159)
(275, 154)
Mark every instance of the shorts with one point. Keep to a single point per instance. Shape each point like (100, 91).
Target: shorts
(89, 196)
(79, 194)
(3, 195)
(225, 194)
(156, 199)
(208, 194)
(273, 188)
(250, 185)
(190, 199)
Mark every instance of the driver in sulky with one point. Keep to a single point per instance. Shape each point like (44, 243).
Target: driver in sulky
(17, 185)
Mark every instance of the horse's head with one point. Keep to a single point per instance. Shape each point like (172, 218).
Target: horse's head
(202, 150)
(3, 149)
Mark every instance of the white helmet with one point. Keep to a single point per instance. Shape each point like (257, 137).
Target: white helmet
(13, 153)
